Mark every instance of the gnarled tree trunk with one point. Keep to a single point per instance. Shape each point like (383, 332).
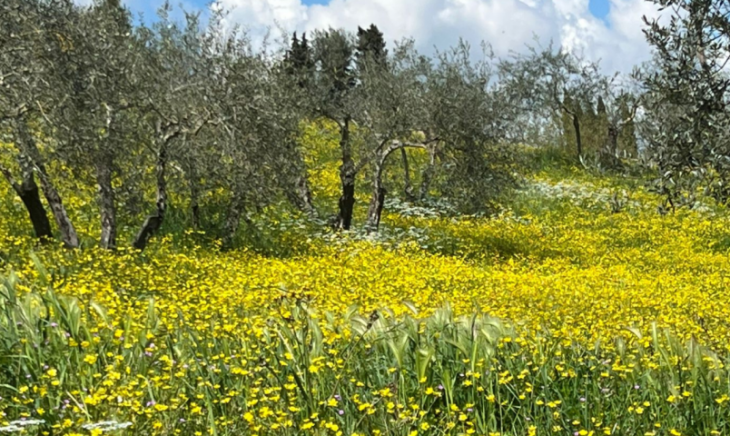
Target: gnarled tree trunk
(610, 154)
(347, 178)
(68, 233)
(578, 142)
(153, 222)
(377, 199)
(104, 174)
(107, 207)
(28, 192)
(612, 139)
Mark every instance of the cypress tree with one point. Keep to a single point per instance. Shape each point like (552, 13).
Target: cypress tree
(305, 59)
(299, 59)
(291, 54)
(371, 45)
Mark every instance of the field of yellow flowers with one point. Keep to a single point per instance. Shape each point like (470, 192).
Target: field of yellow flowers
(579, 310)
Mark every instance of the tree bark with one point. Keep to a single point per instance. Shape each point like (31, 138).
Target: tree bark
(107, 205)
(578, 142)
(30, 195)
(377, 199)
(407, 187)
(28, 192)
(68, 233)
(347, 178)
(153, 222)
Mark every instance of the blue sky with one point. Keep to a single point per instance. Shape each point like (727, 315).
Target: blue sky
(599, 8)
(507, 25)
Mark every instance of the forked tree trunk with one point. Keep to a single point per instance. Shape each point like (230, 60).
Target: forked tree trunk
(107, 207)
(153, 222)
(347, 178)
(68, 233)
(28, 192)
(377, 199)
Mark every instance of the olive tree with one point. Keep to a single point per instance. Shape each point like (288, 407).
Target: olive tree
(687, 99)
(471, 119)
(357, 83)
(246, 147)
(395, 112)
(293, 75)
(335, 96)
(551, 84)
(97, 80)
(171, 92)
(33, 37)
(618, 109)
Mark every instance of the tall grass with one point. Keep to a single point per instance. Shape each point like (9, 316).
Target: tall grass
(304, 372)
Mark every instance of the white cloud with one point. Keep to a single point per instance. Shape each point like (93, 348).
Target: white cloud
(508, 25)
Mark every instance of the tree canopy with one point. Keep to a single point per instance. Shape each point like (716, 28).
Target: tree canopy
(196, 120)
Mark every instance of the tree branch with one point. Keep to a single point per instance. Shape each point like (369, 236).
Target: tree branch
(9, 176)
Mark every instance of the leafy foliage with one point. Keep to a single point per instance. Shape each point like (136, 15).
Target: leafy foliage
(687, 91)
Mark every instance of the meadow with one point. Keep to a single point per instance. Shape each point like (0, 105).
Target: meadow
(577, 310)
